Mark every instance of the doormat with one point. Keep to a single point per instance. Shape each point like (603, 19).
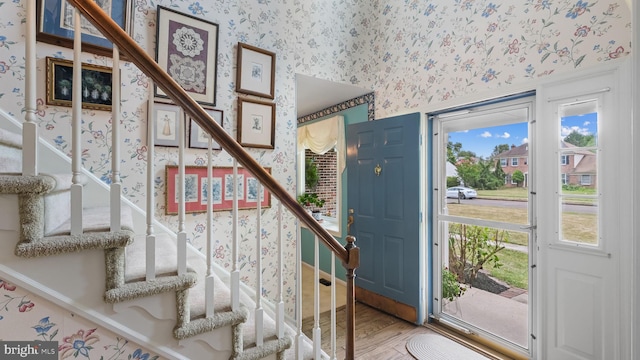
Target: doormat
(438, 347)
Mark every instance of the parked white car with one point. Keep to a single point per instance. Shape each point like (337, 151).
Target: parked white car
(462, 192)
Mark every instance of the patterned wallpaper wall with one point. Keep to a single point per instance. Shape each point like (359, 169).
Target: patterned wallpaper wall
(410, 53)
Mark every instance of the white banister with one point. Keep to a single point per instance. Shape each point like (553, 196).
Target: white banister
(151, 237)
(280, 305)
(30, 127)
(259, 315)
(76, 130)
(116, 186)
(333, 306)
(317, 333)
(209, 281)
(235, 274)
(182, 234)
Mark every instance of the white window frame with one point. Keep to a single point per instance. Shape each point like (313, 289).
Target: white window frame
(582, 177)
(564, 179)
(503, 162)
(514, 161)
(564, 159)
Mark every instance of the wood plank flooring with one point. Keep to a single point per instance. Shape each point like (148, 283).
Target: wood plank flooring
(378, 335)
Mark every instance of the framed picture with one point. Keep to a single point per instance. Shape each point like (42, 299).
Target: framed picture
(256, 71)
(166, 119)
(55, 25)
(198, 139)
(256, 123)
(96, 84)
(197, 186)
(187, 48)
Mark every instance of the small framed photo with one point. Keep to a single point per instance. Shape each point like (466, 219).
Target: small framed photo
(196, 189)
(198, 139)
(256, 123)
(166, 129)
(96, 84)
(55, 24)
(256, 71)
(187, 48)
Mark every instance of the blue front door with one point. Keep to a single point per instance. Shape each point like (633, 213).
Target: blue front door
(383, 192)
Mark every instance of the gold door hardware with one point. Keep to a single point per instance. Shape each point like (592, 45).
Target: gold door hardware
(377, 170)
(349, 221)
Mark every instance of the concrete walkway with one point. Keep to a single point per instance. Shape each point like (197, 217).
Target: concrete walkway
(500, 315)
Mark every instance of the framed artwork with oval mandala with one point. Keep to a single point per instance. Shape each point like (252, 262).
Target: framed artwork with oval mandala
(187, 48)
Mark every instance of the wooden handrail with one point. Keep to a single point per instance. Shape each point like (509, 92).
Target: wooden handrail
(94, 14)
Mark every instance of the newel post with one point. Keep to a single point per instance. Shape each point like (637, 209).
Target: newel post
(354, 261)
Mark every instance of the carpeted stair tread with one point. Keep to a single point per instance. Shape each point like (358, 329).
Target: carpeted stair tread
(271, 345)
(144, 288)
(10, 152)
(61, 244)
(96, 219)
(18, 184)
(10, 139)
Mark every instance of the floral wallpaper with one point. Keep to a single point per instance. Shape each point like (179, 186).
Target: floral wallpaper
(32, 318)
(410, 53)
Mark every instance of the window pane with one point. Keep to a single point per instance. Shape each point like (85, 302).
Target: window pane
(478, 185)
(490, 291)
(579, 172)
(579, 222)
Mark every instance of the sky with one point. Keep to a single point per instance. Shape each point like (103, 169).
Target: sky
(482, 141)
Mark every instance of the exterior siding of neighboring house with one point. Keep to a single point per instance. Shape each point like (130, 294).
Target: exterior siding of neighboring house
(516, 158)
(577, 167)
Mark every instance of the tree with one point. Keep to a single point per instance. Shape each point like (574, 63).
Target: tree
(579, 140)
(499, 149)
(518, 177)
(455, 152)
(498, 172)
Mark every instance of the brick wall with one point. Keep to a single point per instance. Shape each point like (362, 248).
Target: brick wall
(328, 183)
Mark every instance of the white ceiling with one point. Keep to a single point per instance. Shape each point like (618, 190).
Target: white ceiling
(313, 94)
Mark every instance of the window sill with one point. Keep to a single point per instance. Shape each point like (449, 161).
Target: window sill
(330, 224)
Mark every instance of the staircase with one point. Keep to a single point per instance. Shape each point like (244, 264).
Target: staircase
(44, 232)
(87, 248)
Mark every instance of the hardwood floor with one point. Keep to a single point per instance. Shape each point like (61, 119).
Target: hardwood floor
(378, 335)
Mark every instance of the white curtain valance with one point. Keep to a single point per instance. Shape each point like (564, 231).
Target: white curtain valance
(323, 136)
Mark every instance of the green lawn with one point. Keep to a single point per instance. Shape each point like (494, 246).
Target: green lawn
(522, 193)
(514, 269)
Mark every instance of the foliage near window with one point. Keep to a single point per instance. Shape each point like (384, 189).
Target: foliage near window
(451, 288)
(452, 181)
(517, 177)
(310, 174)
(480, 175)
(470, 247)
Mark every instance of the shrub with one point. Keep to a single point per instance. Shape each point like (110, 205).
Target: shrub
(470, 247)
(451, 288)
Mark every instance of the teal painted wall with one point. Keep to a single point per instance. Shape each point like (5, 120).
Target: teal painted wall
(351, 116)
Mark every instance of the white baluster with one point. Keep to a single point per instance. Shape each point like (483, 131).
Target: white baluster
(317, 333)
(151, 237)
(76, 131)
(280, 304)
(333, 305)
(209, 290)
(235, 274)
(182, 234)
(116, 186)
(300, 337)
(30, 127)
(259, 323)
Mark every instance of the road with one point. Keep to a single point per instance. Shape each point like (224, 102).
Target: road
(582, 209)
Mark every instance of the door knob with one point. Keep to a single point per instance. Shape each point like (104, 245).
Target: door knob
(377, 170)
(349, 221)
